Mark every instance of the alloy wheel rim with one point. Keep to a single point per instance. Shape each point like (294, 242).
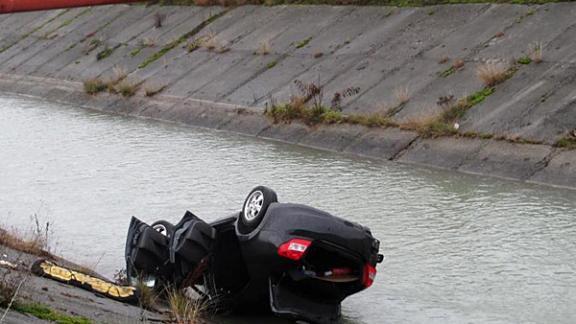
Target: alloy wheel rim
(253, 205)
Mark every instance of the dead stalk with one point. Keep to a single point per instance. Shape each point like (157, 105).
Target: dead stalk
(402, 95)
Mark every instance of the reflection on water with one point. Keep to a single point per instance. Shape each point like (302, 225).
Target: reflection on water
(458, 249)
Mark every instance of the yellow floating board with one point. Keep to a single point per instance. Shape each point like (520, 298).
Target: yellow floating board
(48, 269)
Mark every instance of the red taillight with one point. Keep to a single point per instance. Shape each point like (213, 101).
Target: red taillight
(294, 249)
(369, 275)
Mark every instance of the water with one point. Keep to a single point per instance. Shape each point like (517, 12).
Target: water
(459, 249)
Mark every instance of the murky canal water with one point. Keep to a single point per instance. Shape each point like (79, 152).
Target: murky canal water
(459, 249)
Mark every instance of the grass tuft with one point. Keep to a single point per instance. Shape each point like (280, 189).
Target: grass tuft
(148, 297)
(492, 73)
(210, 42)
(94, 86)
(402, 95)
(185, 310)
(264, 48)
(323, 115)
(126, 88)
(536, 52)
(37, 242)
(118, 84)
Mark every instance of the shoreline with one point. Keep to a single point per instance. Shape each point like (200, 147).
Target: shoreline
(390, 144)
(220, 68)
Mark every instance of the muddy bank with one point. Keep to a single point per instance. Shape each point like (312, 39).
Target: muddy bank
(256, 53)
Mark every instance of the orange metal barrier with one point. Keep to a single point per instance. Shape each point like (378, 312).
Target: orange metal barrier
(9, 6)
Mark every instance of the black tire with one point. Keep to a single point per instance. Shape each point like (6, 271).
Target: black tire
(163, 227)
(254, 208)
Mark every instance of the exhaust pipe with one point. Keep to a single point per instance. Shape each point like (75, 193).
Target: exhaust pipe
(11, 6)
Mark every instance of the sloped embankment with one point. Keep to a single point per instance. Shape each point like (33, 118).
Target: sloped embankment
(414, 67)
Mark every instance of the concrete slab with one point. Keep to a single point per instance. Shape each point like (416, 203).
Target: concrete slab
(292, 26)
(24, 22)
(562, 120)
(405, 38)
(379, 94)
(15, 43)
(444, 152)
(535, 96)
(280, 71)
(142, 20)
(475, 34)
(87, 61)
(382, 143)
(314, 71)
(423, 100)
(560, 171)
(289, 133)
(508, 160)
(9, 83)
(246, 123)
(161, 66)
(561, 49)
(195, 16)
(174, 66)
(76, 64)
(177, 63)
(51, 43)
(333, 137)
(61, 58)
(243, 30)
(206, 72)
(238, 74)
(530, 24)
(284, 69)
(80, 99)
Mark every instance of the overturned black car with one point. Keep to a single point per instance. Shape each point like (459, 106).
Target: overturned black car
(293, 260)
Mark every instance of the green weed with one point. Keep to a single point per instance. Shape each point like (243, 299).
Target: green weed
(524, 60)
(45, 313)
(567, 142)
(304, 42)
(271, 65)
(106, 52)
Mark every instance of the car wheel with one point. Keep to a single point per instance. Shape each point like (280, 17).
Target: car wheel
(163, 227)
(254, 209)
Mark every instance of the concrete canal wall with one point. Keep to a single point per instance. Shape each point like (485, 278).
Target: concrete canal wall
(405, 62)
